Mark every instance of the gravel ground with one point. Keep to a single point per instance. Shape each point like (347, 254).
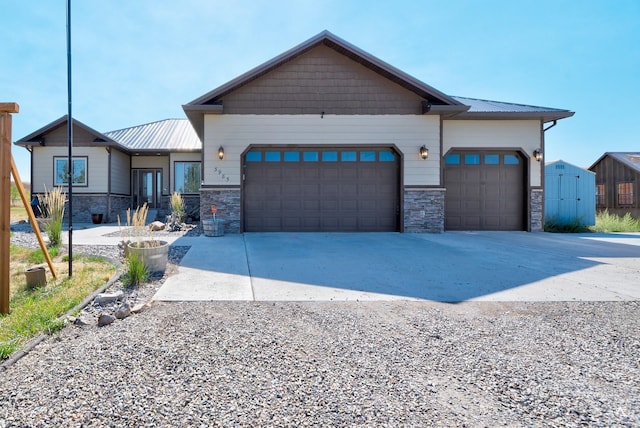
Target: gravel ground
(336, 364)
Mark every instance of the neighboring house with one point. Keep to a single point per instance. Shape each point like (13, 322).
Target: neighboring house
(569, 194)
(116, 170)
(326, 137)
(617, 183)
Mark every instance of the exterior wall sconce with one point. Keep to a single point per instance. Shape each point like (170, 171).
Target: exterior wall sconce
(424, 153)
(221, 153)
(537, 154)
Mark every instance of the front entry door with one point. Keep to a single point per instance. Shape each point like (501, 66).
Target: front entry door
(147, 187)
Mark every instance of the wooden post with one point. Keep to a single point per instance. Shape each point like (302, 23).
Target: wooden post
(5, 197)
(32, 217)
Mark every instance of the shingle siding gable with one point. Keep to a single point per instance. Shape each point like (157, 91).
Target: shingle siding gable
(321, 80)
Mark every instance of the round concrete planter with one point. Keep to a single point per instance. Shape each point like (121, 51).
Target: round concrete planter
(211, 227)
(36, 277)
(154, 254)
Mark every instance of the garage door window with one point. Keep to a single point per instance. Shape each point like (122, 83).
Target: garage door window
(254, 156)
(310, 156)
(511, 160)
(367, 156)
(272, 156)
(329, 156)
(387, 157)
(492, 159)
(292, 156)
(452, 159)
(472, 159)
(349, 157)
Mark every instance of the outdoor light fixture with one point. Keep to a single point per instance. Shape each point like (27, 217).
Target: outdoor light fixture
(537, 154)
(221, 153)
(424, 153)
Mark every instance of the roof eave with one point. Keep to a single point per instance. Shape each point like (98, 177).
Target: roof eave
(544, 116)
(195, 114)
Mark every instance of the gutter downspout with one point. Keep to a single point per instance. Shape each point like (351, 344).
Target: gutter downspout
(108, 185)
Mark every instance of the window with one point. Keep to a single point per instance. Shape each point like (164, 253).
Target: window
(472, 159)
(329, 156)
(492, 159)
(61, 171)
(272, 156)
(511, 160)
(600, 200)
(367, 156)
(310, 156)
(254, 156)
(187, 177)
(387, 156)
(291, 156)
(348, 156)
(453, 159)
(625, 193)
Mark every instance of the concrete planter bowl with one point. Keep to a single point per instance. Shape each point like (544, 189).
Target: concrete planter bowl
(211, 227)
(154, 254)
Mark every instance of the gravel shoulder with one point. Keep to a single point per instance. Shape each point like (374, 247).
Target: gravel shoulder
(340, 364)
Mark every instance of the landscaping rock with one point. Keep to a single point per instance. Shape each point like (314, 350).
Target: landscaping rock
(103, 298)
(156, 226)
(123, 311)
(105, 319)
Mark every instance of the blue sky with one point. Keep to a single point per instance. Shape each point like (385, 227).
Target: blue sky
(139, 61)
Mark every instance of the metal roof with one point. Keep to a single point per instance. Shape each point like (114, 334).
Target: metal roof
(488, 106)
(630, 159)
(164, 135)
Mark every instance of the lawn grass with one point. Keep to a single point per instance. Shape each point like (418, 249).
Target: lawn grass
(606, 222)
(37, 310)
(18, 213)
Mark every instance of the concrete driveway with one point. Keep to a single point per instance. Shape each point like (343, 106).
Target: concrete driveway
(448, 267)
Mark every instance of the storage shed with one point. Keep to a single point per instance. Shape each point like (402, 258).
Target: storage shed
(570, 194)
(618, 183)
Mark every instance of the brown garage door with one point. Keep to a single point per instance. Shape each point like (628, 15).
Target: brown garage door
(321, 189)
(485, 191)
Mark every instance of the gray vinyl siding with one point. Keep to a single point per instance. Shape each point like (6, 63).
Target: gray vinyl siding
(120, 173)
(322, 80)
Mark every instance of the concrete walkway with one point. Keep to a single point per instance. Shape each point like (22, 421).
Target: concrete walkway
(448, 267)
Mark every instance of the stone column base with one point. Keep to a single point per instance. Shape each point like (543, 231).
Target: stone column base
(227, 201)
(424, 210)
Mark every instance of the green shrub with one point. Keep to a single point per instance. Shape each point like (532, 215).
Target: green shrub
(554, 226)
(137, 272)
(177, 205)
(52, 206)
(607, 222)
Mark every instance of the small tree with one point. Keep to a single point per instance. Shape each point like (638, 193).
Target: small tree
(15, 195)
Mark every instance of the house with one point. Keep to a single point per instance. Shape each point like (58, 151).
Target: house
(116, 170)
(617, 183)
(326, 137)
(569, 194)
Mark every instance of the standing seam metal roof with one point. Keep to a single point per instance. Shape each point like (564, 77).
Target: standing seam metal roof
(487, 106)
(165, 135)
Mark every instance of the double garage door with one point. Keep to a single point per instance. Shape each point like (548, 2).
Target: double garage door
(485, 190)
(308, 189)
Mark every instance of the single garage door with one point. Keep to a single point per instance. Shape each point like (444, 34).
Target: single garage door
(485, 190)
(321, 189)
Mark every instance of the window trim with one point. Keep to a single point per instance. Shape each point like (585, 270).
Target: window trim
(175, 176)
(73, 160)
(625, 199)
(601, 191)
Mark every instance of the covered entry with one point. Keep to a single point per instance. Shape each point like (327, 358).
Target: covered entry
(485, 190)
(333, 189)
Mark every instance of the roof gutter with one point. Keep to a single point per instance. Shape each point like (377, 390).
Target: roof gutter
(555, 122)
